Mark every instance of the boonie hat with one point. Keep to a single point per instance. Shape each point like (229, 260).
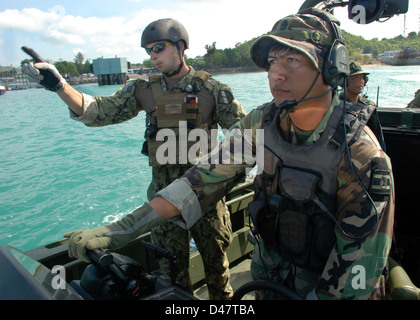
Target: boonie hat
(356, 68)
(308, 32)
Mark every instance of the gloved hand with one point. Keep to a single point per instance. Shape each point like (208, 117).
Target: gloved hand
(114, 235)
(45, 74)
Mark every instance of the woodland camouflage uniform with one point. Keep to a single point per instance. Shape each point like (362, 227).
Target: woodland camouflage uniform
(370, 225)
(355, 69)
(213, 232)
(352, 210)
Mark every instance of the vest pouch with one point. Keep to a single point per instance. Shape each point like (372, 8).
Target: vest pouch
(297, 184)
(172, 152)
(293, 236)
(323, 241)
(265, 220)
(172, 108)
(304, 234)
(305, 240)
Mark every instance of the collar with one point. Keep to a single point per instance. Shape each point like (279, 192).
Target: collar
(308, 138)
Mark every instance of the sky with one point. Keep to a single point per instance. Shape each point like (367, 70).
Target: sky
(60, 29)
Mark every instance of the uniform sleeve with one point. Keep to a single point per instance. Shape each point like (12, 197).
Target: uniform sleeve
(116, 108)
(218, 172)
(356, 268)
(228, 109)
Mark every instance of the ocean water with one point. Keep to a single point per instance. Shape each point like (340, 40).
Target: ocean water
(57, 175)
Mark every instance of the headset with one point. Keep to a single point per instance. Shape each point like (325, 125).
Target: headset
(336, 67)
(337, 63)
(366, 78)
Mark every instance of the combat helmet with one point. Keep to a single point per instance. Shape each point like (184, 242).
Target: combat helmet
(165, 29)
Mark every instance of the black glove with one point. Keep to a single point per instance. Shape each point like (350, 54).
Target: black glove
(45, 74)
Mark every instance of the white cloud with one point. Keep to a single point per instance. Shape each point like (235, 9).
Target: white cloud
(29, 19)
(225, 22)
(59, 37)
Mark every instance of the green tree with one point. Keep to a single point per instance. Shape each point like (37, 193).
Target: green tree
(209, 57)
(87, 67)
(148, 63)
(26, 61)
(78, 60)
(67, 69)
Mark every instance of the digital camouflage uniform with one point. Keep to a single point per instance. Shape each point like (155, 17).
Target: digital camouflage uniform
(337, 280)
(213, 232)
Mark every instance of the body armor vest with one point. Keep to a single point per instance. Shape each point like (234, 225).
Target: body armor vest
(296, 193)
(180, 113)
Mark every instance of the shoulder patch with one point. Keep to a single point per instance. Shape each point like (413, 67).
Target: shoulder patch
(129, 86)
(225, 97)
(380, 182)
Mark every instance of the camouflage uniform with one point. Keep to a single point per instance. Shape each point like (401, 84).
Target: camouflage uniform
(337, 279)
(362, 99)
(353, 264)
(355, 267)
(213, 232)
(355, 69)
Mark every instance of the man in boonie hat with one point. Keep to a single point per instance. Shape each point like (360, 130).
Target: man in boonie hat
(356, 83)
(307, 39)
(307, 106)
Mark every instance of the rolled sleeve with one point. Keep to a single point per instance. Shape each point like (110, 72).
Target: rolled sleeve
(90, 110)
(180, 194)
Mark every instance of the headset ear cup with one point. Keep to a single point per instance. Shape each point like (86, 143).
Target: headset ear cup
(337, 65)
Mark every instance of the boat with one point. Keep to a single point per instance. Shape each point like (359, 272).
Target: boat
(2, 90)
(405, 57)
(130, 272)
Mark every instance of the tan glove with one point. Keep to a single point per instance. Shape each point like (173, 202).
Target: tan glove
(114, 235)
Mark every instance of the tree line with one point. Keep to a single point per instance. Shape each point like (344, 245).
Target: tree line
(360, 49)
(70, 68)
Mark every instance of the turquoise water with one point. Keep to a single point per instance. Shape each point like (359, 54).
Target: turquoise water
(58, 175)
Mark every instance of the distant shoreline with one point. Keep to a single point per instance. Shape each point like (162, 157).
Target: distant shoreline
(375, 64)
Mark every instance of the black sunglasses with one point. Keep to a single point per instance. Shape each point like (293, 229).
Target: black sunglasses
(158, 47)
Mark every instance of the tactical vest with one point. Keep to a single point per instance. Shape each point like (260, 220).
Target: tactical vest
(180, 113)
(296, 193)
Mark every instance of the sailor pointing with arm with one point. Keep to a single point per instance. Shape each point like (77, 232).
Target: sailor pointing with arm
(179, 98)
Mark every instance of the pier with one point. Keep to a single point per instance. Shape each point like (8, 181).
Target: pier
(110, 71)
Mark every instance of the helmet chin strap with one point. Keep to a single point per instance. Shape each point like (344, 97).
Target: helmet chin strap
(180, 65)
